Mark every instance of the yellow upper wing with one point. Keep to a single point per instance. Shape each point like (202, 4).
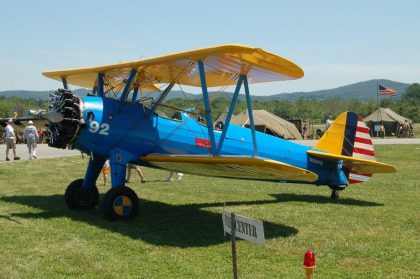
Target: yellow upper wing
(232, 167)
(222, 64)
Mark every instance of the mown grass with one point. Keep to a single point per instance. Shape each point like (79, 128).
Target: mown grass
(371, 232)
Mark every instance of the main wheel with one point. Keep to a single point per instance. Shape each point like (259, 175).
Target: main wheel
(79, 198)
(121, 203)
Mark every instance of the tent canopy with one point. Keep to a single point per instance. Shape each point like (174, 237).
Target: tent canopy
(267, 122)
(385, 115)
(391, 121)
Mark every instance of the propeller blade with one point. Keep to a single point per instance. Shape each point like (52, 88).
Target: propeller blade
(52, 116)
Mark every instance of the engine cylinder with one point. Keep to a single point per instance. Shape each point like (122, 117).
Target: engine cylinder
(64, 132)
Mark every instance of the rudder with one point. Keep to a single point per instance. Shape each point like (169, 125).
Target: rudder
(349, 136)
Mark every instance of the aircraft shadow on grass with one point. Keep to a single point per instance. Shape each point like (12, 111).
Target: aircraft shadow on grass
(287, 197)
(159, 223)
(10, 219)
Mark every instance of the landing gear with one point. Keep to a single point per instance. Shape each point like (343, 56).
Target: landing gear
(335, 191)
(120, 203)
(335, 194)
(79, 198)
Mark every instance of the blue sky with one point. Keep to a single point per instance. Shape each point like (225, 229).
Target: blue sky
(335, 42)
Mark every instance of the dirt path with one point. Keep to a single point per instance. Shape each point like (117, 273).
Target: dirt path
(42, 151)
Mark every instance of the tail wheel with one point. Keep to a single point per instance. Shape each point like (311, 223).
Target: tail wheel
(77, 197)
(335, 194)
(121, 203)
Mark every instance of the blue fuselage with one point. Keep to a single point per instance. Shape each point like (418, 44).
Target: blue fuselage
(137, 131)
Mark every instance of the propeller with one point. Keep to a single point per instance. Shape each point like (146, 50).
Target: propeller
(52, 116)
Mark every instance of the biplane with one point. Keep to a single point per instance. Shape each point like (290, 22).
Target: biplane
(21, 117)
(116, 121)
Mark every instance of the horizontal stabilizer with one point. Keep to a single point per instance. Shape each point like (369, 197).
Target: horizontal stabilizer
(231, 167)
(355, 164)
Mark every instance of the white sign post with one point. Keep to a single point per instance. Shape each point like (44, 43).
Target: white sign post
(244, 228)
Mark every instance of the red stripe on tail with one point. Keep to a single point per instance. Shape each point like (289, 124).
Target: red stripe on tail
(362, 137)
(363, 140)
(364, 151)
(362, 129)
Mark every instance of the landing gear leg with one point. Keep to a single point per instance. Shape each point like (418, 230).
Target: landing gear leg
(120, 202)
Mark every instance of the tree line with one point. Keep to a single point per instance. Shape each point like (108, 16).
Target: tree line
(7, 105)
(315, 110)
(318, 110)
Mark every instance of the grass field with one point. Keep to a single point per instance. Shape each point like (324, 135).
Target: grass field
(373, 231)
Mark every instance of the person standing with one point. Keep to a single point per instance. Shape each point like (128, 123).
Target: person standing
(40, 136)
(30, 137)
(328, 123)
(175, 175)
(405, 129)
(10, 139)
(382, 130)
(138, 170)
(105, 171)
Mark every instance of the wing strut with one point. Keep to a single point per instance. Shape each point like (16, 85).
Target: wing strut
(243, 79)
(207, 107)
(251, 116)
(128, 85)
(127, 88)
(65, 85)
(163, 96)
(230, 113)
(101, 91)
(135, 92)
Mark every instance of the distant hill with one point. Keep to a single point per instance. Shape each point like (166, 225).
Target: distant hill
(41, 95)
(364, 90)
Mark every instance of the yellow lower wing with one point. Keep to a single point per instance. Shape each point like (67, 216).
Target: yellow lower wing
(231, 167)
(355, 164)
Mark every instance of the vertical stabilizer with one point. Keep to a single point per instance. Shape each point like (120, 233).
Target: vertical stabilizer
(349, 136)
(17, 111)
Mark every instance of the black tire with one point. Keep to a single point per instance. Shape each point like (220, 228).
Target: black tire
(120, 203)
(335, 194)
(78, 198)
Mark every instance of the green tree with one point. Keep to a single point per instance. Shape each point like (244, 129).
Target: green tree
(412, 94)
